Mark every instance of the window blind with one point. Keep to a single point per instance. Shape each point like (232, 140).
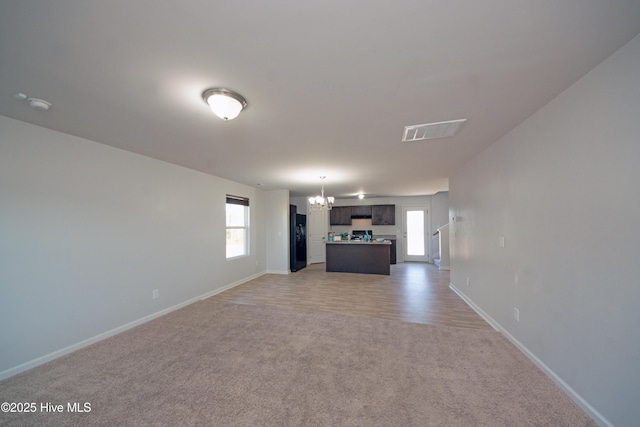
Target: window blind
(237, 200)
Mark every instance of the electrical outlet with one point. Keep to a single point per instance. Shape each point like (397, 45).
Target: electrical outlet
(501, 241)
(156, 293)
(468, 281)
(516, 314)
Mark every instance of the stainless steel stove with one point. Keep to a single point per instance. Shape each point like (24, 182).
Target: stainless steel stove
(359, 234)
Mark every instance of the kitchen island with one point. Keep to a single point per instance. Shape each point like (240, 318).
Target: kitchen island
(349, 256)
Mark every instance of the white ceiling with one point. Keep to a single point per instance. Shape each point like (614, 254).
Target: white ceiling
(330, 84)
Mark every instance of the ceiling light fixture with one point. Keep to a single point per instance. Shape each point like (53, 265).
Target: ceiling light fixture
(320, 202)
(224, 103)
(360, 196)
(36, 103)
(39, 104)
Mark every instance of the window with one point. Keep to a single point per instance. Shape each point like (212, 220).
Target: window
(237, 213)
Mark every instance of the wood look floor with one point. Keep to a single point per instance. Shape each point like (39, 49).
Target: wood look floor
(414, 292)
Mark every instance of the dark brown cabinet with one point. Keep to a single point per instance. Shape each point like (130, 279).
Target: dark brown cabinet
(379, 214)
(349, 257)
(361, 211)
(383, 215)
(340, 215)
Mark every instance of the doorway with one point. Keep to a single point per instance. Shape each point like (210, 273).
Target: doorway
(415, 224)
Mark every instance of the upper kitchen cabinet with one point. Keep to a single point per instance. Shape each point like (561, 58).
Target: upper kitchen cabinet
(383, 215)
(340, 215)
(361, 211)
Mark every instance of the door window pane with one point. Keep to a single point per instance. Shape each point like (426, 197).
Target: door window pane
(415, 233)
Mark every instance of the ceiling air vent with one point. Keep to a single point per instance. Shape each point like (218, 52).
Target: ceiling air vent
(432, 130)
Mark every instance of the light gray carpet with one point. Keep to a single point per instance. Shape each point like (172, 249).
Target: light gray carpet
(226, 364)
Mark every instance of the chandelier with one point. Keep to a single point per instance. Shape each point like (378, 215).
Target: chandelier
(320, 202)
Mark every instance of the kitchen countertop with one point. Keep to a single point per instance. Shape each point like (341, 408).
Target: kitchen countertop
(358, 242)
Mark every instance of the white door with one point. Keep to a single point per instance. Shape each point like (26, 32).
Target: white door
(415, 229)
(317, 232)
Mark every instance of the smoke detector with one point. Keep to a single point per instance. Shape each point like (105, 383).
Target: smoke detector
(432, 130)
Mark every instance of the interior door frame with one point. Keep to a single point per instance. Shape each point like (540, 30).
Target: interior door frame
(427, 241)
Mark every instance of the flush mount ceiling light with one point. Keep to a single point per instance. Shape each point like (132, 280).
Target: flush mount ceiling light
(432, 130)
(320, 202)
(224, 103)
(39, 104)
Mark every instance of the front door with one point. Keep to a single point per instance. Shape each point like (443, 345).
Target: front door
(415, 229)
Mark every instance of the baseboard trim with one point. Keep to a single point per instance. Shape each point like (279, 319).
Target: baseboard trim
(227, 287)
(590, 410)
(278, 272)
(73, 347)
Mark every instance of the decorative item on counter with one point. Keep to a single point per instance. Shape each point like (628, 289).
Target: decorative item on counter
(331, 234)
(345, 236)
(366, 236)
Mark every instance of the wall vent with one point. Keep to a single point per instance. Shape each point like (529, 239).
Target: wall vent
(432, 130)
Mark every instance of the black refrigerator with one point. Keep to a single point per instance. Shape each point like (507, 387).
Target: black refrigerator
(298, 239)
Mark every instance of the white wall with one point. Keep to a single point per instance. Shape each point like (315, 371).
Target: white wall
(300, 204)
(277, 244)
(87, 232)
(439, 217)
(562, 188)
